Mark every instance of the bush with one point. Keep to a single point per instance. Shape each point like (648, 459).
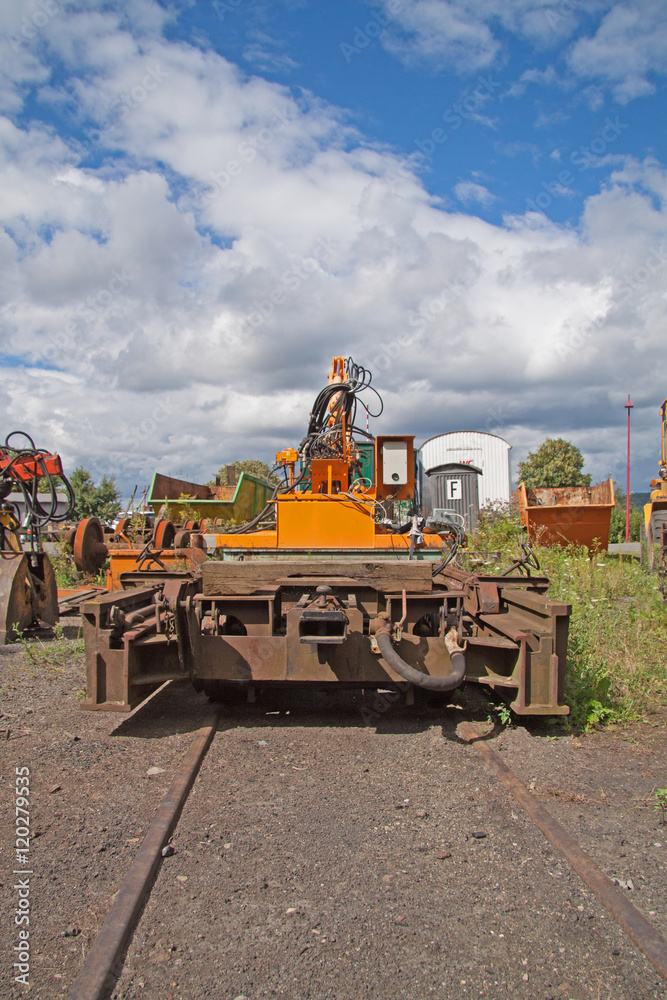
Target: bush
(618, 515)
(617, 644)
(555, 463)
(618, 636)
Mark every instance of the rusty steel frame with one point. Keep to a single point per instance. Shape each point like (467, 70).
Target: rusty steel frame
(28, 592)
(256, 623)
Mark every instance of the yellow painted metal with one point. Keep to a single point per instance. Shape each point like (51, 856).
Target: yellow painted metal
(659, 486)
(232, 503)
(321, 521)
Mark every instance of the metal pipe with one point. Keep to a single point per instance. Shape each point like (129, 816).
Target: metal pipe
(141, 615)
(409, 673)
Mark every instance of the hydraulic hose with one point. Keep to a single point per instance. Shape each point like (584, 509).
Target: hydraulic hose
(416, 677)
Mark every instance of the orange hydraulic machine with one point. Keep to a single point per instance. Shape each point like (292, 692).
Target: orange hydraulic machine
(28, 590)
(328, 503)
(336, 581)
(654, 524)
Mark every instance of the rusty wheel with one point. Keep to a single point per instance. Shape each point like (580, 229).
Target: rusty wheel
(182, 540)
(122, 526)
(90, 551)
(163, 536)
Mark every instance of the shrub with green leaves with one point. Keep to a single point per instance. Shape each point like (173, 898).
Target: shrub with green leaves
(555, 463)
(617, 638)
(617, 645)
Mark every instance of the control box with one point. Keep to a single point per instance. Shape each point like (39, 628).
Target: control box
(395, 463)
(394, 467)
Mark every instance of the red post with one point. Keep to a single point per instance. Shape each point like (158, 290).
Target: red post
(628, 407)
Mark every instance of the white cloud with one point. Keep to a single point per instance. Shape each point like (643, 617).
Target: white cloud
(176, 306)
(628, 44)
(468, 192)
(439, 34)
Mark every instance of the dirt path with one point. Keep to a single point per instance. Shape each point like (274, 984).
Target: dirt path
(319, 856)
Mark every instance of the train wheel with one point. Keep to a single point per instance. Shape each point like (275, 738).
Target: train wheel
(164, 534)
(90, 552)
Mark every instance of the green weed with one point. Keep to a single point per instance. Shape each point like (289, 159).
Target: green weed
(661, 804)
(616, 656)
(67, 576)
(53, 654)
(501, 713)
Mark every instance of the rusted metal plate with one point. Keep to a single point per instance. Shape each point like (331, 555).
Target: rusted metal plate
(221, 577)
(568, 515)
(28, 592)
(282, 658)
(244, 622)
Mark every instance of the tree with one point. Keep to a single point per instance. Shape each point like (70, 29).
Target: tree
(251, 465)
(555, 463)
(103, 501)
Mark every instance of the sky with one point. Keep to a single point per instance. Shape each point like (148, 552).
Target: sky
(203, 202)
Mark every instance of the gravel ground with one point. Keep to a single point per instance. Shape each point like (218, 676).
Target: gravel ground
(319, 856)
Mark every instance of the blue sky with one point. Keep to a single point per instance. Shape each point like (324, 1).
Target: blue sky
(203, 202)
(513, 124)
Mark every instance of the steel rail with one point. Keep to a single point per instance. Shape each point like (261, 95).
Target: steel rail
(101, 967)
(636, 926)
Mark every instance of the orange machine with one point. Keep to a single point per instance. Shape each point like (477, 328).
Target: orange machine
(328, 503)
(325, 502)
(335, 581)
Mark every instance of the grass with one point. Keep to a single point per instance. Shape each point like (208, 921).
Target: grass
(66, 573)
(617, 646)
(54, 653)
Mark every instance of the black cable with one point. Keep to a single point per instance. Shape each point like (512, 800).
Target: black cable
(332, 417)
(37, 514)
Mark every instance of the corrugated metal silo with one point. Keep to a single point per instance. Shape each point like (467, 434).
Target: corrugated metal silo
(485, 451)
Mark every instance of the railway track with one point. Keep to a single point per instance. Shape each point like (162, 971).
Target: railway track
(321, 857)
